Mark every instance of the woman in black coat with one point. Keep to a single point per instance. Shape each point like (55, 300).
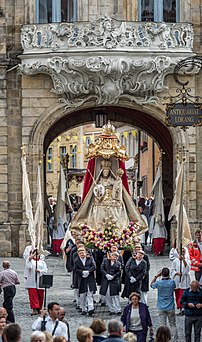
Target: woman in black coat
(110, 286)
(135, 271)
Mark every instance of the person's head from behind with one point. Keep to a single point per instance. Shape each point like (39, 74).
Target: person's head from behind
(163, 334)
(165, 272)
(12, 332)
(130, 337)
(62, 313)
(37, 336)
(115, 327)
(98, 326)
(53, 310)
(59, 339)
(84, 334)
(6, 264)
(194, 286)
(49, 337)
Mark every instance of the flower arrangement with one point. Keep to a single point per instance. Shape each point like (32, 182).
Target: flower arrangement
(109, 236)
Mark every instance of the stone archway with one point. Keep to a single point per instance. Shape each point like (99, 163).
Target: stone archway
(133, 117)
(150, 118)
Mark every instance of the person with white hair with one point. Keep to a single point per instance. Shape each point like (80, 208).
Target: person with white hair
(37, 336)
(130, 337)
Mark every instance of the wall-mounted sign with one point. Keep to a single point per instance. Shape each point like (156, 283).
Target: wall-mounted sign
(179, 114)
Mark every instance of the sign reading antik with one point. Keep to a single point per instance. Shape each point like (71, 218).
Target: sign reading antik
(184, 115)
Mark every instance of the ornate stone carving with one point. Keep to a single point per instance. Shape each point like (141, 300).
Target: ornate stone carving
(105, 60)
(107, 33)
(105, 79)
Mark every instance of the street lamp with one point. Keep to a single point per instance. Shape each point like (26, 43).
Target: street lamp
(100, 118)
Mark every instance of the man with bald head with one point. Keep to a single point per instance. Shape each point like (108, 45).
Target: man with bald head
(192, 303)
(61, 318)
(8, 280)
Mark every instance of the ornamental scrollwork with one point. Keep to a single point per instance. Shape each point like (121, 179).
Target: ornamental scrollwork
(107, 34)
(107, 80)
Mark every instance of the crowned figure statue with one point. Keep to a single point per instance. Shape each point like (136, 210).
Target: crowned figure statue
(106, 193)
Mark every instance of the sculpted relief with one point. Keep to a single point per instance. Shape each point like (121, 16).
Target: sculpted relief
(105, 60)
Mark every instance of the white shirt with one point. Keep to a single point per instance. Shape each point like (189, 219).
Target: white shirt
(61, 329)
(184, 281)
(30, 274)
(83, 261)
(135, 322)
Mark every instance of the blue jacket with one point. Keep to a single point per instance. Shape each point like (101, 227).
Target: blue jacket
(144, 316)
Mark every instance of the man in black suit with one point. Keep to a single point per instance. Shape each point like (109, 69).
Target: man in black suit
(84, 266)
(135, 271)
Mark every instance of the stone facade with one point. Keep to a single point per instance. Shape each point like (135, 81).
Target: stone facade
(40, 100)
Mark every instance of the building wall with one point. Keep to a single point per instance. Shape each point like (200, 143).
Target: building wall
(28, 107)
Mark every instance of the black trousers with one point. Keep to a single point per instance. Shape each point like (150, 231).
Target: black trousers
(196, 322)
(9, 294)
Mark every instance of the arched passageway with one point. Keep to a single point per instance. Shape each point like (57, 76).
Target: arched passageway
(143, 121)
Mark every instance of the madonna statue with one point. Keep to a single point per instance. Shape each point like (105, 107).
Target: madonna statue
(106, 194)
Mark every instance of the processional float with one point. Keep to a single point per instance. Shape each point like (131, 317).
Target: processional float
(107, 214)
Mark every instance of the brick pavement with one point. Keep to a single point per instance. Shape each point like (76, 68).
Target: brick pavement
(62, 293)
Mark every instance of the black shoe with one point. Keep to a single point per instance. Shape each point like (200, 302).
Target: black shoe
(119, 313)
(111, 313)
(83, 313)
(91, 312)
(103, 304)
(74, 301)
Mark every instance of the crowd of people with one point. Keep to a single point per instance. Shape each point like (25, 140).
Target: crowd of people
(115, 274)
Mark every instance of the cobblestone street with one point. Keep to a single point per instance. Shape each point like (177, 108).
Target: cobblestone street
(62, 293)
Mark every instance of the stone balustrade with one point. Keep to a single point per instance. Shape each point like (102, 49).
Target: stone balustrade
(107, 34)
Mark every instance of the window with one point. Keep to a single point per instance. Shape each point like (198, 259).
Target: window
(169, 11)
(55, 11)
(50, 159)
(158, 11)
(88, 141)
(144, 186)
(147, 10)
(73, 157)
(63, 151)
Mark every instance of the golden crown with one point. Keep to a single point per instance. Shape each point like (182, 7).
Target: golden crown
(108, 129)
